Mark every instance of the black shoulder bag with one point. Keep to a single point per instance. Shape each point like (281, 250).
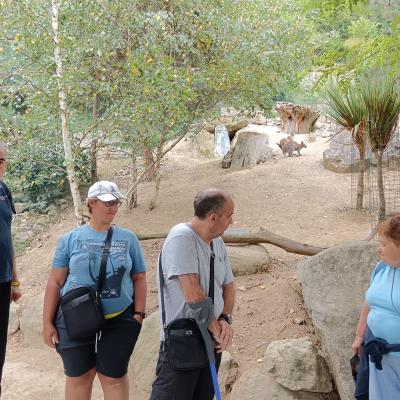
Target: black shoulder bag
(81, 307)
(184, 343)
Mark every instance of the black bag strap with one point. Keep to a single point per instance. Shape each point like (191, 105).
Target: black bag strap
(161, 277)
(211, 286)
(9, 196)
(103, 264)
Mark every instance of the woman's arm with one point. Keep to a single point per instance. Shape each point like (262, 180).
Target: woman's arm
(361, 328)
(140, 286)
(55, 282)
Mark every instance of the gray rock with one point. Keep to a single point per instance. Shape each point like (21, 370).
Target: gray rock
(144, 359)
(343, 156)
(247, 260)
(52, 213)
(227, 374)
(21, 207)
(334, 284)
(13, 320)
(255, 384)
(296, 365)
(31, 322)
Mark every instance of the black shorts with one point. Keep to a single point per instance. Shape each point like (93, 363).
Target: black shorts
(114, 348)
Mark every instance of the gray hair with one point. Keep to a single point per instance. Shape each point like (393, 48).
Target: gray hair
(4, 147)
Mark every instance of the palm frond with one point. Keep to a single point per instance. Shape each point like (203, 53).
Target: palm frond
(346, 108)
(382, 104)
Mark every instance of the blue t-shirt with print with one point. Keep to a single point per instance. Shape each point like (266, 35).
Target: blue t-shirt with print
(80, 251)
(383, 298)
(6, 248)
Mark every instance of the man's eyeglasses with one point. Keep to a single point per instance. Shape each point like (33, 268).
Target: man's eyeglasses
(112, 203)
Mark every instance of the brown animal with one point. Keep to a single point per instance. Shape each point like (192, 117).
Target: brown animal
(291, 147)
(284, 141)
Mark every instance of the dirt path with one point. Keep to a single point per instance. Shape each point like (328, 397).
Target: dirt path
(294, 197)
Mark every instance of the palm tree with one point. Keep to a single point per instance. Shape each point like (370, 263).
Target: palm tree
(382, 106)
(347, 110)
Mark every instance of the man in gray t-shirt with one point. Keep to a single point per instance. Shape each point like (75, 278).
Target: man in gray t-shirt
(185, 263)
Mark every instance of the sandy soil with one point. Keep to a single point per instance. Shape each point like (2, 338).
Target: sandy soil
(294, 197)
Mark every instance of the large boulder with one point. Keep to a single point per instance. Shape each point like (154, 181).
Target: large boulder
(254, 384)
(228, 371)
(334, 284)
(343, 156)
(31, 322)
(296, 365)
(247, 260)
(143, 362)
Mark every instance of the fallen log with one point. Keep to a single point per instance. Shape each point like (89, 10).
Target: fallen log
(262, 236)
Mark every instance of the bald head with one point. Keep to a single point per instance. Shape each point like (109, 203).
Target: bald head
(210, 201)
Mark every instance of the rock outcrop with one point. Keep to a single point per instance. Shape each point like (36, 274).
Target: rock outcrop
(296, 365)
(334, 284)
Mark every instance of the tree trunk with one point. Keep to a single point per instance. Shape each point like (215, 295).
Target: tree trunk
(132, 194)
(93, 145)
(263, 236)
(381, 189)
(361, 173)
(296, 118)
(158, 171)
(69, 161)
(148, 161)
(250, 149)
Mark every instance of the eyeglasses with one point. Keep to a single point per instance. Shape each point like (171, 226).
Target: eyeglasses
(112, 203)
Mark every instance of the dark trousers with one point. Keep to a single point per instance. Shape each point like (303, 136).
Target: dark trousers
(182, 385)
(5, 291)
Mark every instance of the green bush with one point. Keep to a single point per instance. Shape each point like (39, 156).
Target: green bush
(38, 171)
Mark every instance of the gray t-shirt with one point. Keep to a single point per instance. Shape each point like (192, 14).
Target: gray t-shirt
(185, 252)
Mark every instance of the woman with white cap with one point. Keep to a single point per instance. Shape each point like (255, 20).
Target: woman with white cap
(76, 263)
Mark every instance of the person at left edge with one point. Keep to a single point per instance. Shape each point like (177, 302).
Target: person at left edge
(77, 263)
(9, 283)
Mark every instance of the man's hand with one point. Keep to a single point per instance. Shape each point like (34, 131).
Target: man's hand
(357, 345)
(50, 335)
(15, 294)
(226, 336)
(215, 330)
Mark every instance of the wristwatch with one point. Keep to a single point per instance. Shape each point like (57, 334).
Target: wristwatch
(141, 314)
(226, 317)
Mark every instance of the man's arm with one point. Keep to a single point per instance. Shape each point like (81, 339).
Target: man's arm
(15, 290)
(192, 292)
(228, 294)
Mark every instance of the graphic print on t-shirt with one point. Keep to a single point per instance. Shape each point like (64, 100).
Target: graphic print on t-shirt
(91, 250)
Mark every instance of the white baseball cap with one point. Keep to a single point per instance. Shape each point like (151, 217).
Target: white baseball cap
(105, 191)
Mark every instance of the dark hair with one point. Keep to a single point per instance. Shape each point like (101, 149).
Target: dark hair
(209, 201)
(390, 228)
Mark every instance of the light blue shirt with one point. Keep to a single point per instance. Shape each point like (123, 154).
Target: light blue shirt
(80, 251)
(383, 298)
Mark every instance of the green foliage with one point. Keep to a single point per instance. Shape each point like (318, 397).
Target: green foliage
(38, 172)
(382, 105)
(345, 106)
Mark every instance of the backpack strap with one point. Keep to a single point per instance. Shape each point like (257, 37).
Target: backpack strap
(9, 196)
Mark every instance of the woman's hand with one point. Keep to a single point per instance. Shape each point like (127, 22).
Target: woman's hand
(357, 345)
(50, 335)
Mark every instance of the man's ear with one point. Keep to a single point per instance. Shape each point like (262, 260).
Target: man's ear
(213, 217)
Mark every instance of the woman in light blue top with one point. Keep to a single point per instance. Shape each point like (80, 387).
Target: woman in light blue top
(381, 313)
(76, 263)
